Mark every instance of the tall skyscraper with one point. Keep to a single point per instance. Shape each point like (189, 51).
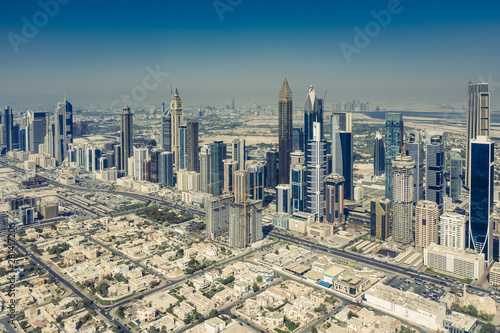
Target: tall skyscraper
(426, 224)
(7, 127)
(63, 134)
(245, 224)
(217, 156)
(166, 169)
(478, 119)
(342, 151)
(298, 139)
(298, 184)
(166, 131)
(316, 168)
(311, 115)
(140, 155)
(155, 165)
(256, 179)
(379, 155)
(239, 152)
(240, 185)
(183, 149)
(402, 199)
(176, 110)
(452, 230)
(455, 180)
(193, 160)
(334, 199)
(285, 131)
(283, 198)
(435, 182)
(298, 157)
(272, 171)
(393, 142)
(415, 149)
(126, 137)
(380, 218)
(205, 156)
(217, 218)
(481, 193)
(37, 129)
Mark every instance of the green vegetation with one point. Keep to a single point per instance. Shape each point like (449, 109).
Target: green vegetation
(471, 311)
(351, 314)
(120, 312)
(194, 265)
(194, 317)
(488, 328)
(321, 308)
(212, 292)
(280, 331)
(259, 279)
(290, 325)
(255, 287)
(120, 278)
(227, 280)
(59, 248)
(331, 299)
(133, 207)
(164, 215)
(197, 228)
(405, 329)
(102, 289)
(432, 272)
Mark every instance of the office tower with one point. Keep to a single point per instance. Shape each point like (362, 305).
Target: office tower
(380, 218)
(481, 189)
(342, 151)
(297, 157)
(393, 142)
(188, 181)
(256, 179)
(334, 199)
(217, 157)
(426, 224)
(26, 215)
(146, 170)
(118, 157)
(311, 115)
(48, 146)
(176, 110)
(452, 230)
(298, 139)
(283, 198)
(285, 131)
(4, 221)
(379, 156)
(434, 169)
(316, 168)
(155, 156)
(217, 218)
(166, 169)
(298, 184)
(140, 155)
(7, 126)
(455, 172)
(232, 104)
(240, 185)
(92, 156)
(63, 134)
(478, 119)
(126, 138)
(272, 172)
(239, 152)
(103, 163)
(193, 160)
(23, 144)
(245, 223)
(183, 147)
(402, 199)
(205, 168)
(230, 167)
(15, 136)
(37, 129)
(166, 130)
(415, 149)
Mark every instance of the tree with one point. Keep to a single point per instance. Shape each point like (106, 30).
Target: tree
(213, 313)
(351, 314)
(255, 287)
(314, 329)
(276, 252)
(488, 328)
(331, 299)
(259, 278)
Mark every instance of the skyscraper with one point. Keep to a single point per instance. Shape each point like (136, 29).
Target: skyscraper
(298, 139)
(283, 198)
(166, 169)
(426, 224)
(126, 137)
(380, 218)
(217, 156)
(166, 131)
(342, 151)
(155, 165)
(63, 134)
(239, 152)
(193, 160)
(298, 184)
(240, 185)
(37, 129)
(7, 127)
(217, 218)
(183, 149)
(205, 156)
(379, 156)
(402, 199)
(229, 175)
(245, 224)
(298, 157)
(478, 119)
(455, 172)
(285, 131)
(435, 182)
(481, 189)
(140, 155)
(272, 171)
(393, 142)
(452, 230)
(311, 115)
(316, 168)
(176, 110)
(334, 199)
(256, 179)
(415, 149)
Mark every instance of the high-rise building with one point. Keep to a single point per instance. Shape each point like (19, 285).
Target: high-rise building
(166, 169)
(435, 182)
(205, 156)
(402, 199)
(415, 149)
(217, 218)
(240, 185)
(379, 155)
(166, 130)
(183, 147)
(452, 230)
(298, 184)
(342, 151)
(63, 134)
(140, 155)
(311, 115)
(230, 167)
(298, 157)
(155, 156)
(92, 156)
(37, 129)
(380, 218)
(393, 142)
(4, 221)
(316, 168)
(7, 127)
(478, 119)
(27, 215)
(193, 160)
(176, 110)
(426, 224)
(455, 173)
(298, 139)
(245, 223)
(285, 131)
(239, 152)
(283, 198)
(272, 172)
(217, 157)
(126, 138)
(334, 199)
(481, 194)
(256, 179)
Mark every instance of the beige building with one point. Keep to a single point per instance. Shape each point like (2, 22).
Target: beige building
(426, 224)
(299, 222)
(462, 263)
(320, 230)
(495, 274)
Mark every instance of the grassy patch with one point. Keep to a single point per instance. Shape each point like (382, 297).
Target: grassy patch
(433, 272)
(280, 331)
(132, 324)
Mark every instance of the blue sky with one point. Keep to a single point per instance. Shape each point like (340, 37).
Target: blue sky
(95, 51)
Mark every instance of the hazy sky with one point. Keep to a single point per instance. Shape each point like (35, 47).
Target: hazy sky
(95, 51)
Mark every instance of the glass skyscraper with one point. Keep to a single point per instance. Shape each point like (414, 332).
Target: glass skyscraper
(316, 169)
(393, 142)
(379, 156)
(285, 130)
(435, 182)
(415, 149)
(342, 151)
(217, 157)
(298, 188)
(455, 172)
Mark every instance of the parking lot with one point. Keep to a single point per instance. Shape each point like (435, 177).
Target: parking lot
(427, 290)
